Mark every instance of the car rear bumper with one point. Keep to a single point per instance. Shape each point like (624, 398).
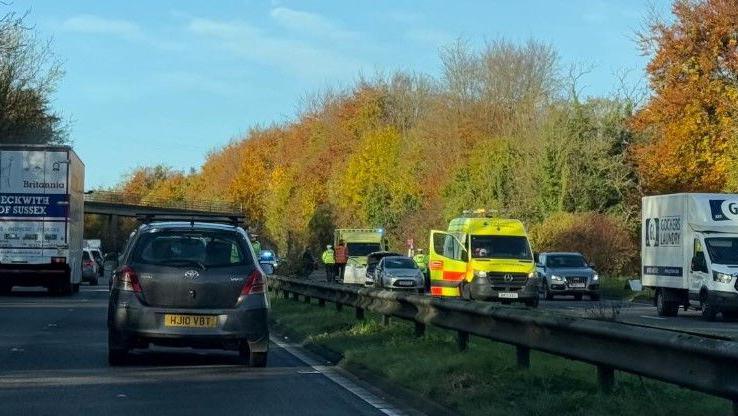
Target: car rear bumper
(136, 324)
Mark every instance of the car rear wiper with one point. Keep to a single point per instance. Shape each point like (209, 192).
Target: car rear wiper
(199, 264)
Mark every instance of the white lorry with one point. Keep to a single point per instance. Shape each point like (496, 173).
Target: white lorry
(689, 252)
(41, 217)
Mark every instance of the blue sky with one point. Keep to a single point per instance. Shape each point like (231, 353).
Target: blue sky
(151, 82)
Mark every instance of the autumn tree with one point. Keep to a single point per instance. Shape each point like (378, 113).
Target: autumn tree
(28, 76)
(689, 124)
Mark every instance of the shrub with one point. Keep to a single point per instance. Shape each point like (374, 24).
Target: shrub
(603, 239)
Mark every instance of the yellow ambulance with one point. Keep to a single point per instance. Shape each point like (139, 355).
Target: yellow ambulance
(481, 257)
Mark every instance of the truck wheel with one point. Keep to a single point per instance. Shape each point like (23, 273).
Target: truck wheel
(665, 308)
(94, 281)
(75, 288)
(709, 312)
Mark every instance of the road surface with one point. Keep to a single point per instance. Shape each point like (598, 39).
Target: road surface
(53, 361)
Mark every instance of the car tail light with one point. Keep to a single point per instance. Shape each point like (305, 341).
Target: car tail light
(255, 284)
(127, 280)
(58, 260)
(87, 263)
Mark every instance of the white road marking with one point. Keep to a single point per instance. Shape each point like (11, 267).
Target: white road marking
(653, 317)
(334, 374)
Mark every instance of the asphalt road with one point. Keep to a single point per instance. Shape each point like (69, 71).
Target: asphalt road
(641, 313)
(53, 361)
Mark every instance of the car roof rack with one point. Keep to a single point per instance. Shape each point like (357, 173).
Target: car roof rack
(234, 220)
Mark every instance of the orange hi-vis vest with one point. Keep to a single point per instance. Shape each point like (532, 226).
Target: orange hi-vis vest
(341, 255)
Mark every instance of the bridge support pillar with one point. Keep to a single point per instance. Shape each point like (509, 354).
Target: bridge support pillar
(112, 231)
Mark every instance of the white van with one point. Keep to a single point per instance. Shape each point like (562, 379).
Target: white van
(689, 252)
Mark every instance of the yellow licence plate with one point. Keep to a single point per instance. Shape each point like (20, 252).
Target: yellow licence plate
(190, 321)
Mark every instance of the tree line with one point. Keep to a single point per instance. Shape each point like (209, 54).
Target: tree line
(29, 73)
(504, 128)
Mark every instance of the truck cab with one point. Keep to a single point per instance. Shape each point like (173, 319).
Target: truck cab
(481, 257)
(689, 253)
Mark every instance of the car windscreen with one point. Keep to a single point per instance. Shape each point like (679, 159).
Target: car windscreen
(96, 254)
(85, 255)
(565, 261)
(203, 248)
(361, 249)
(500, 247)
(723, 250)
(399, 263)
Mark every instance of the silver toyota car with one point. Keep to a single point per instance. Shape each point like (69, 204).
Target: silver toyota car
(189, 284)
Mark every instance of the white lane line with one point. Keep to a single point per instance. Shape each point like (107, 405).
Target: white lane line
(653, 317)
(333, 374)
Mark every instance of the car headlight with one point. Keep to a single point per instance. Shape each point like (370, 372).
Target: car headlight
(531, 275)
(557, 278)
(595, 278)
(722, 277)
(480, 273)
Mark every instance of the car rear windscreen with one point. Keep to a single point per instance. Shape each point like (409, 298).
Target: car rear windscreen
(202, 248)
(399, 263)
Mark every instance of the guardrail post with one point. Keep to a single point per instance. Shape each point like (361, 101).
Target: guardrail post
(307, 299)
(360, 314)
(605, 378)
(385, 320)
(523, 355)
(419, 329)
(462, 340)
(295, 296)
(321, 302)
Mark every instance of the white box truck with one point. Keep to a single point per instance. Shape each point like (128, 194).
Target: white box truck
(41, 217)
(689, 252)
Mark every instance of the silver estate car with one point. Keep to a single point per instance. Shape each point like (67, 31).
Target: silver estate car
(399, 272)
(189, 284)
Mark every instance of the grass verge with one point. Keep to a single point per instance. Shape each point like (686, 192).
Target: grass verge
(484, 380)
(616, 287)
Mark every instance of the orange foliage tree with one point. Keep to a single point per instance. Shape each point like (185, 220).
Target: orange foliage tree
(690, 121)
